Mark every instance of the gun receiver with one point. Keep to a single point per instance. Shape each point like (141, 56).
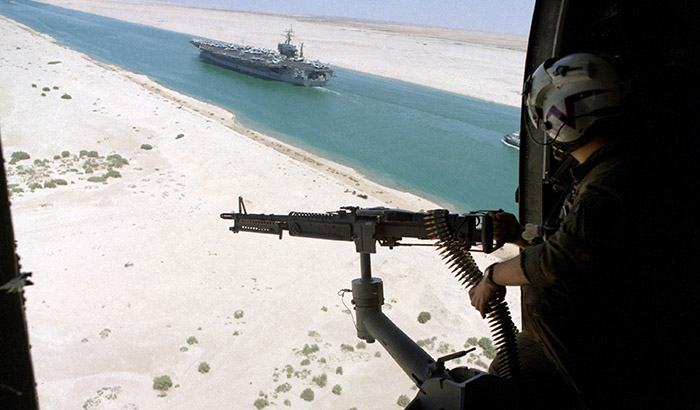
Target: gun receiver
(367, 226)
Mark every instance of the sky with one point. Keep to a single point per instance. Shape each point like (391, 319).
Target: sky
(495, 16)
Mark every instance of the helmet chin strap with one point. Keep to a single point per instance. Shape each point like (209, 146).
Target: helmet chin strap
(562, 149)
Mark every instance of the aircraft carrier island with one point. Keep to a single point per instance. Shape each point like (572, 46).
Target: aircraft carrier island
(287, 64)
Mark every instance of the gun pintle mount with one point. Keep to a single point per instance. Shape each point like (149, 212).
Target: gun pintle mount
(453, 235)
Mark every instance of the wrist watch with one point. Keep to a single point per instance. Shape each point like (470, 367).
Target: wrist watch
(488, 276)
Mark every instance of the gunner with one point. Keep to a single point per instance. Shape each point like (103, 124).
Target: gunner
(594, 311)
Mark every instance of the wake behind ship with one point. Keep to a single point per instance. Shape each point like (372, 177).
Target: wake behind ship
(286, 64)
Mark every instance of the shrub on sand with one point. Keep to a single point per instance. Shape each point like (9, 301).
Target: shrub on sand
(403, 400)
(162, 383)
(307, 395)
(423, 317)
(18, 156)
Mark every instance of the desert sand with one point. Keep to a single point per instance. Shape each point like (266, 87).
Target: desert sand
(136, 276)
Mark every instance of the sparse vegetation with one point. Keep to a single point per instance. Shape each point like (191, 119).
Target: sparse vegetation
(403, 400)
(488, 347)
(307, 350)
(320, 380)
(107, 393)
(203, 367)
(315, 372)
(423, 317)
(283, 388)
(41, 173)
(261, 403)
(444, 348)
(112, 173)
(18, 156)
(97, 179)
(307, 395)
(117, 161)
(346, 348)
(428, 343)
(162, 383)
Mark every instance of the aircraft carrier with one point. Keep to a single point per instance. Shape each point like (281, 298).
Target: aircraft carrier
(287, 64)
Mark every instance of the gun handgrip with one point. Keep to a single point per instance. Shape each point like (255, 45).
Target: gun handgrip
(487, 233)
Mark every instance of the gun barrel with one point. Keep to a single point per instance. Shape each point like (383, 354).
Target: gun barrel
(336, 226)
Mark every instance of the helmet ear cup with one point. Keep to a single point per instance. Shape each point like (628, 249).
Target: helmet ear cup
(565, 97)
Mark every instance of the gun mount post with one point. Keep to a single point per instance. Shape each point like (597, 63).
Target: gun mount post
(367, 296)
(372, 324)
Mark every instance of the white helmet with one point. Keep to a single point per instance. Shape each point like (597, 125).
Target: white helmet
(565, 97)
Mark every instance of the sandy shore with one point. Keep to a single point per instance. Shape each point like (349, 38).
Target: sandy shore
(487, 66)
(136, 277)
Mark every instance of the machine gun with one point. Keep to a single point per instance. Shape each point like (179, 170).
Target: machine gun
(365, 226)
(439, 388)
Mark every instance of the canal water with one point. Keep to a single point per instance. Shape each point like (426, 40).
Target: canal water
(442, 146)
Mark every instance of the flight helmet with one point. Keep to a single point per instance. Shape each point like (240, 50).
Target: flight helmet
(565, 97)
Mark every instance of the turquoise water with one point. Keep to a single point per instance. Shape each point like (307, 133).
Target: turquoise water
(439, 145)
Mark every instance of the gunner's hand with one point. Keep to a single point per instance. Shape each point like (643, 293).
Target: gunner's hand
(506, 228)
(483, 294)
